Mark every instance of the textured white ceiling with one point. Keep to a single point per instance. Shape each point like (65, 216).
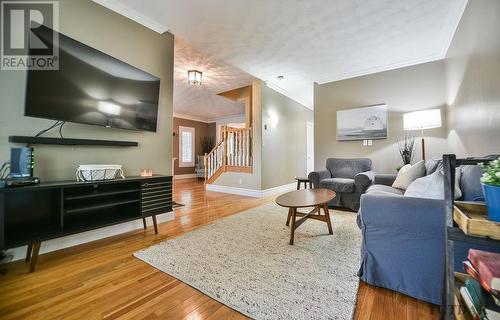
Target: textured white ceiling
(306, 41)
(202, 101)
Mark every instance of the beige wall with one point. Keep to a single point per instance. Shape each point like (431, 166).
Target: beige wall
(403, 90)
(119, 37)
(279, 153)
(284, 146)
(201, 129)
(473, 81)
(253, 180)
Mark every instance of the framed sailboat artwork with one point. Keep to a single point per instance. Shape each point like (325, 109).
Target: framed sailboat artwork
(368, 122)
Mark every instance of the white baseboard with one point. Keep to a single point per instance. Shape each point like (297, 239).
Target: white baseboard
(279, 189)
(251, 192)
(88, 236)
(185, 176)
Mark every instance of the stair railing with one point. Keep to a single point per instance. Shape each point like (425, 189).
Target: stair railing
(232, 153)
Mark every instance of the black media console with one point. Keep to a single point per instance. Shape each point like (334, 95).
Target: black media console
(32, 214)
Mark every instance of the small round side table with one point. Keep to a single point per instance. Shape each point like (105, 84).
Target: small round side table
(303, 180)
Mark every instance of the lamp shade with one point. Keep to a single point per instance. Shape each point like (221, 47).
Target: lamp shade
(420, 120)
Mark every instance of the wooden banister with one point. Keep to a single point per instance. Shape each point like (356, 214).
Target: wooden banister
(232, 153)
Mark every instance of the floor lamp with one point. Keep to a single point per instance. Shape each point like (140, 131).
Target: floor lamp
(422, 120)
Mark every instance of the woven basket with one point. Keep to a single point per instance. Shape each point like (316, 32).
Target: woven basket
(99, 172)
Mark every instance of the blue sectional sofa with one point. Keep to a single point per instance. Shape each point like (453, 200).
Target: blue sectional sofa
(403, 237)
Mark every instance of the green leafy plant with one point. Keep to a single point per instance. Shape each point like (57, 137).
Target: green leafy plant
(491, 175)
(207, 144)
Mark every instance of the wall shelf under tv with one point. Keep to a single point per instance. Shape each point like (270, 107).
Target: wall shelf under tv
(71, 142)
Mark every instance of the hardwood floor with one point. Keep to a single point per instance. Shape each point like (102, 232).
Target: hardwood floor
(102, 280)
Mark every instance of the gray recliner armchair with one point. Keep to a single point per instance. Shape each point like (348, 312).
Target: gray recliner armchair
(349, 178)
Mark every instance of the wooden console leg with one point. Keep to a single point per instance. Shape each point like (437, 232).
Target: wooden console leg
(34, 257)
(154, 224)
(28, 253)
(144, 222)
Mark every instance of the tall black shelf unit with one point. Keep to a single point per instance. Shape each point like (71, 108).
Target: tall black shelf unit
(32, 214)
(454, 233)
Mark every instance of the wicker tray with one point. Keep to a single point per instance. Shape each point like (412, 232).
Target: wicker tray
(472, 218)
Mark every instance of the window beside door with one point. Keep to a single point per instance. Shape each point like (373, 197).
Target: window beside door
(186, 147)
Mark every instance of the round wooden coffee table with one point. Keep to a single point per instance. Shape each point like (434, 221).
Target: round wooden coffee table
(317, 198)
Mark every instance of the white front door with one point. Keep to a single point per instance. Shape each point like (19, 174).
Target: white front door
(310, 146)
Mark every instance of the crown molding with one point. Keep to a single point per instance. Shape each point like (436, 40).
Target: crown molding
(133, 14)
(205, 120)
(394, 66)
(225, 118)
(192, 118)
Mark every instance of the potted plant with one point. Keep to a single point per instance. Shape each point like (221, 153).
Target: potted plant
(406, 146)
(207, 144)
(491, 188)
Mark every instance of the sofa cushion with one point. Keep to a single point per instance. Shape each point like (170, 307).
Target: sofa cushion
(431, 186)
(347, 168)
(383, 189)
(338, 184)
(470, 184)
(408, 174)
(432, 165)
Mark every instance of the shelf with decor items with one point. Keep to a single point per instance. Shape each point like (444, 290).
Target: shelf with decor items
(453, 229)
(36, 213)
(71, 142)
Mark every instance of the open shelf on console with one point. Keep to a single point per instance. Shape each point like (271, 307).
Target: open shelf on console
(104, 205)
(105, 216)
(101, 194)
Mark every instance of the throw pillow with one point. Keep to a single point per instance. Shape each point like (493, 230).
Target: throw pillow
(432, 186)
(408, 174)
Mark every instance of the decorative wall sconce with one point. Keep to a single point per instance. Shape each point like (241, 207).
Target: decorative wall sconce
(273, 119)
(194, 77)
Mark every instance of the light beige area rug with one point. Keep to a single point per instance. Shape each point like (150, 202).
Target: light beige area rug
(245, 262)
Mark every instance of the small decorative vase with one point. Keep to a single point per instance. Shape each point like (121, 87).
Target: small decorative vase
(492, 195)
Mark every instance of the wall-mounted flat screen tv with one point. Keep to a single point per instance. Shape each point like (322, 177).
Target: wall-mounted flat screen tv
(92, 87)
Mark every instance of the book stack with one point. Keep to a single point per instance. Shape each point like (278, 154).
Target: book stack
(480, 292)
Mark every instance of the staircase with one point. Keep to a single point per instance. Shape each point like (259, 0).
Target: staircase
(232, 154)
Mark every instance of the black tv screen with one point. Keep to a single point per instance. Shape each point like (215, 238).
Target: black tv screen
(92, 87)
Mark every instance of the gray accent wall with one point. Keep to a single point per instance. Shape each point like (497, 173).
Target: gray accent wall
(403, 90)
(123, 39)
(473, 81)
(283, 146)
